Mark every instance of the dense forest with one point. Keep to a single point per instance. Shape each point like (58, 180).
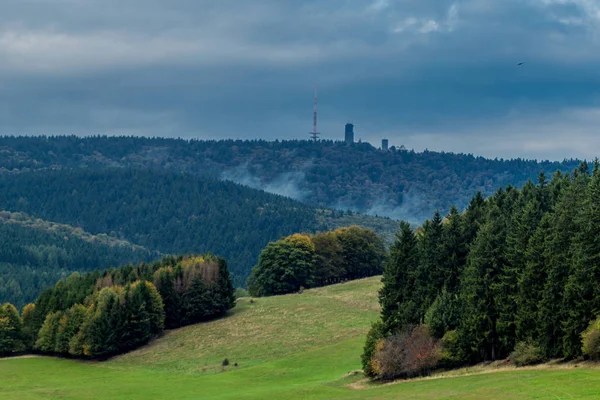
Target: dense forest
(35, 254)
(301, 261)
(515, 274)
(166, 212)
(398, 184)
(98, 315)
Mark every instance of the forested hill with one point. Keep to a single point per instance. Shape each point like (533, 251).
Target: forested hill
(399, 184)
(34, 254)
(170, 213)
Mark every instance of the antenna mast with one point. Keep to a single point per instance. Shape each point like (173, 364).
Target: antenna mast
(315, 134)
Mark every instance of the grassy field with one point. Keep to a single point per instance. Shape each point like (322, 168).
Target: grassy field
(301, 346)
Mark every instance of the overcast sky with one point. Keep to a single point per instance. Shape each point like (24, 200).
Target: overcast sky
(425, 73)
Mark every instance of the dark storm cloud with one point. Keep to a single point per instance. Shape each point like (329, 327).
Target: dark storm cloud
(436, 74)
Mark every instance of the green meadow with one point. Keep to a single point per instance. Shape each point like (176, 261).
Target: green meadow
(299, 346)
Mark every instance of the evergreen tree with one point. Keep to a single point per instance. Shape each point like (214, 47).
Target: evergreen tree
(225, 288)
(483, 283)
(395, 297)
(582, 294)
(197, 302)
(559, 253)
(68, 326)
(430, 273)
(532, 281)
(454, 250)
(164, 281)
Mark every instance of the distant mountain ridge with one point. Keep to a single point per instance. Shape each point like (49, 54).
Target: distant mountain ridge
(398, 184)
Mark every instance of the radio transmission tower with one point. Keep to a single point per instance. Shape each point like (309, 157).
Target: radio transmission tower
(315, 134)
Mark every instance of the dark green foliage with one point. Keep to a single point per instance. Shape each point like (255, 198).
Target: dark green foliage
(11, 330)
(68, 326)
(444, 314)
(515, 274)
(164, 281)
(35, 254)
(329, 263)
(375, 335)
(166, 212)
(453, 353)
(333, 174)
(396, 296)
(300, 261)
(582, 292)
(30, 329)
(197, 302)
(100, 315)
(283, 267)
(47, 335)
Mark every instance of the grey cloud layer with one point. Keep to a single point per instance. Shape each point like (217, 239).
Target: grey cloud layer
(428, 73)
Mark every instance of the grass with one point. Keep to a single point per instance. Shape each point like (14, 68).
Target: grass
(301, 346)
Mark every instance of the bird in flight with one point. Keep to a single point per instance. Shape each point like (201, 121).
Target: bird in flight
(520, 64)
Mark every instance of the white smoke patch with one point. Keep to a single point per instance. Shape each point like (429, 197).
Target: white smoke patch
(412, 210)
(287, 184)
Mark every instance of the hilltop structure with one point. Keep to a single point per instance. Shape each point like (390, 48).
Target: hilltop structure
(349, 137)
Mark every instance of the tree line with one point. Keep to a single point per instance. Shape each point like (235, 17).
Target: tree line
(164, 212)
(358, 177)
(303, 261)
(98, 315)
(516, 274)
(35, 254)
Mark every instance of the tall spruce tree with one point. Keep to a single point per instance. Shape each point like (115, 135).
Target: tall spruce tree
(430, 274)
(531, 282)
(582, 293)
(552, 310)
(395, 297)
(482, 289)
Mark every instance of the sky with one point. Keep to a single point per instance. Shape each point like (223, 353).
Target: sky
(432, 74)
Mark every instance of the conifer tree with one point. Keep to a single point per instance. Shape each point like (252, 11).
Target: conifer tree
(164, 281)
(582, 294)
(454, 250)
(395, 297)
(532, 281)
(197, 302)
(430, 273)
(552, 308)
(482, 289)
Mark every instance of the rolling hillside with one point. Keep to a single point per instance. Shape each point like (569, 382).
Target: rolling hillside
(172, 213)
(279, 354)
(398, 184)
(35, 254)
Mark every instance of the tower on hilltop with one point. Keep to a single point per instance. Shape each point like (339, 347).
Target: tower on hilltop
(349, 137)
(314, 135)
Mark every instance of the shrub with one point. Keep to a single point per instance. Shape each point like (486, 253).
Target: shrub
(411, 352)
(444, 314)
(225, 362)
(590, 339)
(526, 354)
(452, 351)
(375, 334)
